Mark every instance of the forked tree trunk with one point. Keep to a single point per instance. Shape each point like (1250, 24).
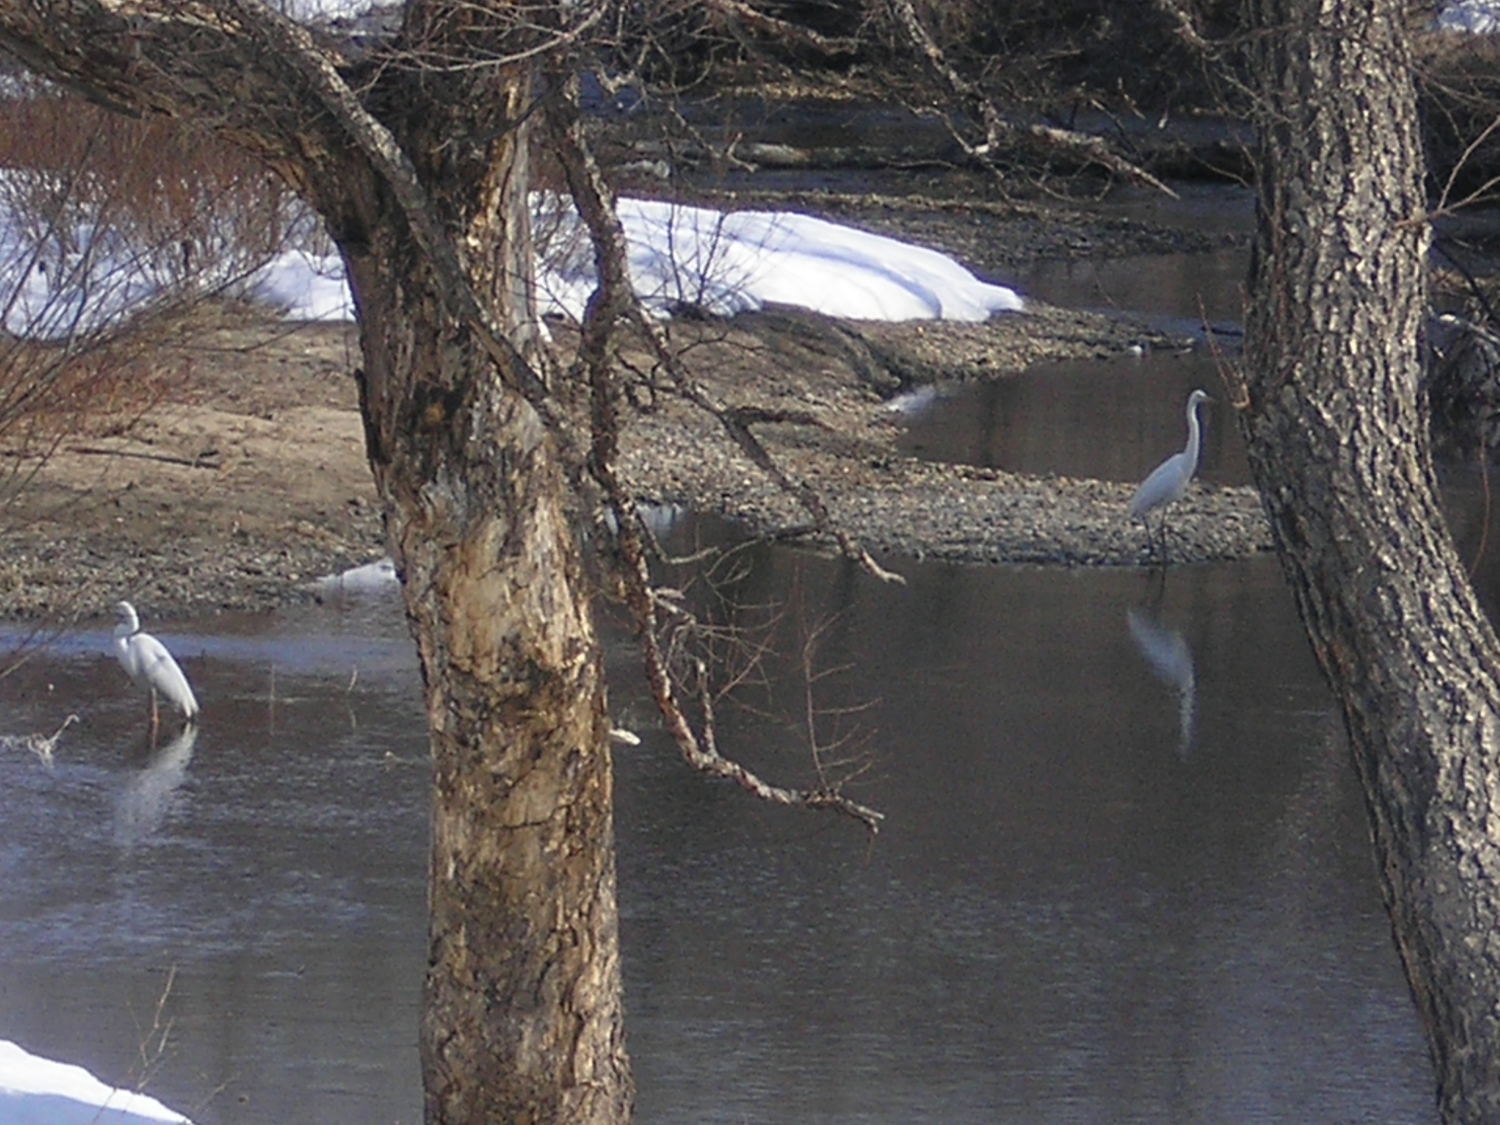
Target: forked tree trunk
(1339, 447)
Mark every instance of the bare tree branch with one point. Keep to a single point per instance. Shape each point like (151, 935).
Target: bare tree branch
(780, 29)
(1445, 206)
(1184, 27)
(283, 35)
(614, 302)
(997, 130)
(595, 202)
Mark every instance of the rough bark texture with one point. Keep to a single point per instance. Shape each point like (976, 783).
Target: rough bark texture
(522, 1018)
(1339, 447)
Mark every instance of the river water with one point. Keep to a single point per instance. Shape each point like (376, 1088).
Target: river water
(1125, 874)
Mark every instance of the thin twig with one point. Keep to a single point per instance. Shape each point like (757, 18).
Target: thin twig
(209, 459)
(611, 304)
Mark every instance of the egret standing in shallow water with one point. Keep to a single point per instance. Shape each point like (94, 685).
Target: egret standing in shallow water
(147, 662)
(1169, 480)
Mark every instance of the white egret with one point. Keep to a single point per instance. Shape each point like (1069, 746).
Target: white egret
(1169, 480)
(147, 662)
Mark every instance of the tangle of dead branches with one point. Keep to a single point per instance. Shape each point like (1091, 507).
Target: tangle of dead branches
(614, 304)
(998, 131)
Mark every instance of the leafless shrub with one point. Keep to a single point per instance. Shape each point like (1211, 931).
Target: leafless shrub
(1459, 79)
(113, 233)
(1048, 55)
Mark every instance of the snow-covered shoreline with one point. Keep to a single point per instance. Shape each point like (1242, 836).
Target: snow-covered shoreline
(39, 1091)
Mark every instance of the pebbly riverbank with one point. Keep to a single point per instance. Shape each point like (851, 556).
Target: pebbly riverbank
(250, 482)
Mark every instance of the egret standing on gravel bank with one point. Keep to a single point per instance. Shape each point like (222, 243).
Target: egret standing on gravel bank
(147, 662)
(1169, 480)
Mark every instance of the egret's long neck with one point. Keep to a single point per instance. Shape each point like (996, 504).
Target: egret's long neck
(1194, 436)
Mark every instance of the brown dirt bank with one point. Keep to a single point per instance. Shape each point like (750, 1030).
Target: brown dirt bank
(251, 481)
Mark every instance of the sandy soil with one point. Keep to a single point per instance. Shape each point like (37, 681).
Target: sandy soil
(232, 494)
(251, 481)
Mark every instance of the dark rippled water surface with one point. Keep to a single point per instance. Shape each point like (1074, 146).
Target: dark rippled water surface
(1124, 873)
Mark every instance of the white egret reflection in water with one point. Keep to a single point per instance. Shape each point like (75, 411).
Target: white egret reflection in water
(1062, 920)
(1167, 654)
(142, 803)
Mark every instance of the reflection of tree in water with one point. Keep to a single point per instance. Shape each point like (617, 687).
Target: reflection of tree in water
(142, 805)
(1171, 661)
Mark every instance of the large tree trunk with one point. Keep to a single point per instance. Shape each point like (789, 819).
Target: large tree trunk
(1339, 447)
(522, 1020)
